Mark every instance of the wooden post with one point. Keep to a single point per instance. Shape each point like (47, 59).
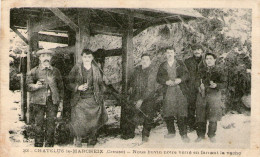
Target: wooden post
(83, 34)
(23, 69)
(33, 45)
(71, 38)
(127, 63)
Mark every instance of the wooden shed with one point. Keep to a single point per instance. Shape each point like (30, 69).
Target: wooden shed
(80, 23)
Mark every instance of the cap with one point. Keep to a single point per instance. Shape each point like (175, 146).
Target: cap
(87, 52)
(44, 51)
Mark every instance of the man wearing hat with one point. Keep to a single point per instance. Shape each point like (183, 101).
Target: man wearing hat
(45, 84)
(192, 65)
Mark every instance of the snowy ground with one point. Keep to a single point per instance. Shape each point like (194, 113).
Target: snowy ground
(233, 132)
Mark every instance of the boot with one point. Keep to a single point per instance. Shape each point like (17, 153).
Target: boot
(92, 142)
(145, 138)
(147, 125)
(199, 139)
(182, 125)
(78, 141)
(212, 128)
(201, 129)
(38, 145)
(170, 135)
(38, 141)
(49, 144)
(212, 139)
(185, 138)
(170, 127)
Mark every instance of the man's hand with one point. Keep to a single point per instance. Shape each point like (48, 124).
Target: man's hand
(60, 108)
(38, 85)
(83, 87)
(177, 81)
(169, 83)
(202, 86)
(130, 91)
(202, 89)
(139, 103)
(212, 84)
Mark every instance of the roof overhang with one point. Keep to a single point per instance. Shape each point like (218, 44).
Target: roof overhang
(109, 21)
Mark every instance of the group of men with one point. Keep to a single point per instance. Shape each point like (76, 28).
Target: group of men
(191, 94)
(190, 89)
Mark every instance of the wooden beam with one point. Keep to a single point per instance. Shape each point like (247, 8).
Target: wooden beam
(53, 38)
(107, 30)
(101, 53)
(20, 35)
(49, 30)
(48, 24)
(71, 38)
(64, 50)
(135, 14)
(65, 19)
(127, 67)
(113, 19)
(157, 20)
(83, 34)
(144, 17)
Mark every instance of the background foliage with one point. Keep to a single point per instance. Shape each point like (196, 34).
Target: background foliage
(225, 32)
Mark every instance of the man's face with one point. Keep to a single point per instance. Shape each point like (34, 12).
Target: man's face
(197, 52)
(210, 60)
(146, 61)
(87, 58)
(45, 59)
(170, 55)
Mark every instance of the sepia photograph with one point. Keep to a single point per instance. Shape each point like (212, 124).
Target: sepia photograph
(130, 77)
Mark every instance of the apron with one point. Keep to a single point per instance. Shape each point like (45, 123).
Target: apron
(175, 103)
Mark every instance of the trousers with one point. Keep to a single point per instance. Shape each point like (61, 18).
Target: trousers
(44, 130)
(181, 122)
(202, 127)
(191, 111)
(147, 126)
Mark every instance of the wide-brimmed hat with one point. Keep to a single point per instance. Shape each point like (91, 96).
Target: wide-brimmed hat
(44, 51)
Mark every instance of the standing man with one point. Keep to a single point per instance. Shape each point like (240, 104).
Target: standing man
(192, 64)
(209, 103)
(173, 76)
(142, 86)
(45, 84)
(88, 112)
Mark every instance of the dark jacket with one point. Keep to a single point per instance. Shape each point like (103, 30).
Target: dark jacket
(214, 74)
(143, 83)
(76, 79)
(52, 80)
(174, 98)
(192, 65)
(209, 107)
(181, 72)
